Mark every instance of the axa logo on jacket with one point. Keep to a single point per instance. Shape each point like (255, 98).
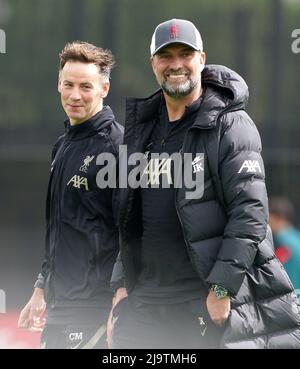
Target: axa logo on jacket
(78, 182)
(251, 166)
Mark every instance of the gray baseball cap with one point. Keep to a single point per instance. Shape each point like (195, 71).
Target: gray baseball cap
(176, 31)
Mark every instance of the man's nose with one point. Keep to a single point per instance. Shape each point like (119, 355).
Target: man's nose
(175, 64)
(75, 94)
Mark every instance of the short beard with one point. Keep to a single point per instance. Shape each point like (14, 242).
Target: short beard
(184, 89)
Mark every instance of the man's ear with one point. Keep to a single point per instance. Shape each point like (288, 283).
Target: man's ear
(105, 89)
(202, 60)
(151, 61)
(58, 85)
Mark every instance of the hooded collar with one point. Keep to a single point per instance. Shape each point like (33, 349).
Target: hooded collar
(225, 90)
(90, 127)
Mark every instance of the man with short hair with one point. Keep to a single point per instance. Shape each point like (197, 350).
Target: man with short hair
(198, 269)
(82, 236)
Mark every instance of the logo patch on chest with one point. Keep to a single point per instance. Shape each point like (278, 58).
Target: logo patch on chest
(78, 182)
(86, 162)
(197, 163)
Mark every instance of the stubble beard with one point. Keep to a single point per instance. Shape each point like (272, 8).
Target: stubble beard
(176, 91)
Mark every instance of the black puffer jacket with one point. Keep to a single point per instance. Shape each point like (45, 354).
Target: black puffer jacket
(226, 231)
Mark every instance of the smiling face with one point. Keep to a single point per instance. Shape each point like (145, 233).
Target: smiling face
(82, 90)
(178, 69)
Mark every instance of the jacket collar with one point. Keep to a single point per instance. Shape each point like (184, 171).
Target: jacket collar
(90, 127)
(224, 90)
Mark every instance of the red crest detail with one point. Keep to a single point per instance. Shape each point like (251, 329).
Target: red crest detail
(173, 31)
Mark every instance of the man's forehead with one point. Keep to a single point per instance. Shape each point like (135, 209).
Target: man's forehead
(80, 69)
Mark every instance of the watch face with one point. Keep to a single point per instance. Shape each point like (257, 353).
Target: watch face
(221, 294)
(219, 291)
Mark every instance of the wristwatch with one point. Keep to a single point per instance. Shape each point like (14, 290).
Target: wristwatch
(219, 291)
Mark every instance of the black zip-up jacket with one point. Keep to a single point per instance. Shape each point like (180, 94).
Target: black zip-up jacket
(226, 230)
(81, 233)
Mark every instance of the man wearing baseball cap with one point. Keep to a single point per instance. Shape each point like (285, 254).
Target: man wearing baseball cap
(176, 31)
(197, 272)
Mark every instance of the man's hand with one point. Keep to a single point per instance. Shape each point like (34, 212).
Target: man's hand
(31, 316)
(218, 309)
(120, 295)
